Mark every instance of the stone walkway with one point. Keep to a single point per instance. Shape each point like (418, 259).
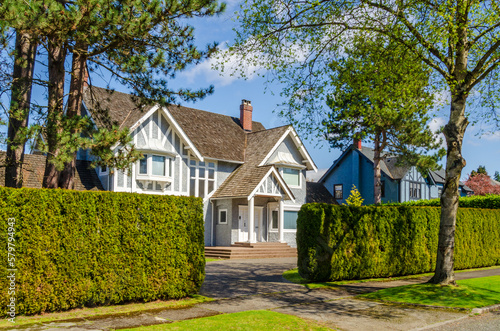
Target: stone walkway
(241, 285)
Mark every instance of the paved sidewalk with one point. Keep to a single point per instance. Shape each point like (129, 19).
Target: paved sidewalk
(241, 285)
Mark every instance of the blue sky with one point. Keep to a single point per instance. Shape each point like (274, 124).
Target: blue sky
(229, 91)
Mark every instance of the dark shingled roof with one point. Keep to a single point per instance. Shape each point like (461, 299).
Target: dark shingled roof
(439, 177)
(214, 135)
(111, 107)
(388, 166)
(34, 167)
(317, 192)
(247, 176)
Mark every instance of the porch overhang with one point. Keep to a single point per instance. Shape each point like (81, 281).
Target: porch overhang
(263, 189)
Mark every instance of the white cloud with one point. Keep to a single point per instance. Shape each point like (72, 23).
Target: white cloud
(435, 125)
(495, 136)
(234, 67)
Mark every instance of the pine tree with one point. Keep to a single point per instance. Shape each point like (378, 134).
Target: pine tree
(380, 93)
(140, 43)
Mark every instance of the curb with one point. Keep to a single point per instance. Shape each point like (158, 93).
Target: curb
(485, 309)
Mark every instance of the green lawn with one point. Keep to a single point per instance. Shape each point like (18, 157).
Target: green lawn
(248, 320)
(211, 259)
(294, 277)
(470, 293)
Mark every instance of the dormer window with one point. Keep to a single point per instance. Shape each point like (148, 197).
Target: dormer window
(291, 176)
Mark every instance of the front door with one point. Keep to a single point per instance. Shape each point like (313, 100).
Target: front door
(243, 223)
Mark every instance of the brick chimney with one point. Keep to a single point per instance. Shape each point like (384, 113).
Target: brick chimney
(246, 115)
(357, 143)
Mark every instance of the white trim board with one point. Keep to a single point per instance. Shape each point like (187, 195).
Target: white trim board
(298, 143)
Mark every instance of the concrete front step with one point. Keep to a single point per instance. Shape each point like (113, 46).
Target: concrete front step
(245, 250)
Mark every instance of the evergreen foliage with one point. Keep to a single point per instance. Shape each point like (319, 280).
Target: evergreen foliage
(380, 93)
(76, 249)
(489, 201)
(342, 242)
(354, 198)
(142, 44)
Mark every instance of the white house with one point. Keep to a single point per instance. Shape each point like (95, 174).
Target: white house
(252, 179)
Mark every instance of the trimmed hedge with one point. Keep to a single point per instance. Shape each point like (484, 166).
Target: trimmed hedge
(342, 242)
(76, 249)
(490, 201)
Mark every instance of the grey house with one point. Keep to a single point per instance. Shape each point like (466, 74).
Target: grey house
(252, 179)
(399, 183)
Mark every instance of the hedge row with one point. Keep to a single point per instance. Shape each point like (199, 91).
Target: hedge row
(75, 249)
(490, 201)
(342, 242)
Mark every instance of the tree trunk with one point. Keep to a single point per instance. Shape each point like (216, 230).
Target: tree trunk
(377, 185)
(24, 63)
(454, 134)
(57, 55)
(78, 74)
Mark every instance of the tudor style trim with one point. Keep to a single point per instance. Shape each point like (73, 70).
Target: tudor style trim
(282, 183)
(300, 148)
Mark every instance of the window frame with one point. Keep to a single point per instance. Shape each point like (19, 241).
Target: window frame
(220, 213)
(167, 167)
(341, 191)
(105, 172)
(290, 208)
(417, 186)
(282, 170)
(207, 166)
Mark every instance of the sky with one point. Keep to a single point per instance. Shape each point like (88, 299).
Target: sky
(230, 90)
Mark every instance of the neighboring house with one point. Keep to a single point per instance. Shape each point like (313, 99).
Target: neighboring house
(399, 183)
(252, 180)
(34, 167)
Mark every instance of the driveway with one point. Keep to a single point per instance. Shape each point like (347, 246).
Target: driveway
(235, 278)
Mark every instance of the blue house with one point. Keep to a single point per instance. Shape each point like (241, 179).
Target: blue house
(399, 183)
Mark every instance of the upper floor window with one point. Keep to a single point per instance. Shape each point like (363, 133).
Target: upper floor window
(103, 170)
(291, 176)
(202, 178)
(338, 189)
(415, 190)
(158, 165)
(155, 165)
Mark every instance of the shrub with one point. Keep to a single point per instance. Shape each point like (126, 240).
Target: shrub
(490, 201)
(77, 249)
(342, 242)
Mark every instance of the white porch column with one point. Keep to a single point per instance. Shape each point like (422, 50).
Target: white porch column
(281, 220)
(251, 220)
(259, 238)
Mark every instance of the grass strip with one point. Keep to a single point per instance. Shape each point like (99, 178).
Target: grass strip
(247, 320)
(470, 293)
(104, 311)
(211, 259)
(294, 277)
